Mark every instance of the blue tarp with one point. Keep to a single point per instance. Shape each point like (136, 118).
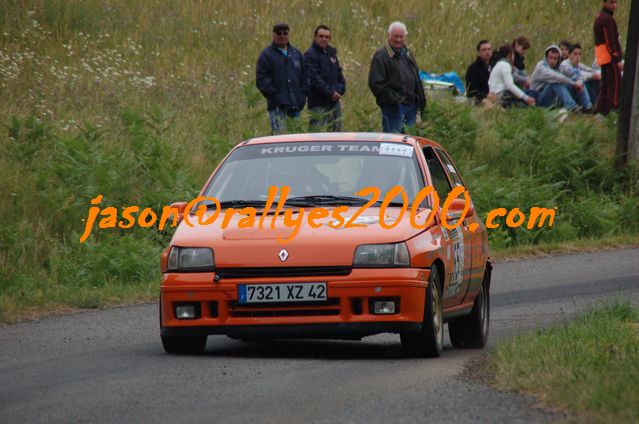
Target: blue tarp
(450, 77)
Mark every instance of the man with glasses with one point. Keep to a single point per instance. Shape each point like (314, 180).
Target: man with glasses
(326, 80)
(280, 77)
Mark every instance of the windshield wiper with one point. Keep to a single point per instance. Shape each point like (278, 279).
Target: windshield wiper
(393, 204)
(241, 203)
(326, 199)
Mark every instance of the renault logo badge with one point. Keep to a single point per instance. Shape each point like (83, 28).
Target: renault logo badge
(283, 255)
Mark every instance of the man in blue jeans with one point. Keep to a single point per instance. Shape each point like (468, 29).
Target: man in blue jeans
(394, 80)
(281, 78)
(552, 86)
(575, 70)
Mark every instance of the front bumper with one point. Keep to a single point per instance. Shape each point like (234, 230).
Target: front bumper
(345, 314)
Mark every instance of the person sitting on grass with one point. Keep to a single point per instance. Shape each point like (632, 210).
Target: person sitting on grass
(564, 47)
(520, 46)
(478, 72)
(501, 85)
(577, 71)
(552, 86)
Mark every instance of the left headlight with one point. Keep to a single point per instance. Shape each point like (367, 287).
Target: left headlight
(191, 259)
(381, 256)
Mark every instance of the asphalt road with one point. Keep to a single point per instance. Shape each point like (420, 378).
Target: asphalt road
(109, 366)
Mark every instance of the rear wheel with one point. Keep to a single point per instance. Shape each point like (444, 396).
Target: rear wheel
(428, 342)
(184, 345)
(471, 331)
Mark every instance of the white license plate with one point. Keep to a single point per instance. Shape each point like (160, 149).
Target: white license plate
(288, 292)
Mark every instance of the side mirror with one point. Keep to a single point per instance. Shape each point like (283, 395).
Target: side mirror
(458, 205)
(180, 206)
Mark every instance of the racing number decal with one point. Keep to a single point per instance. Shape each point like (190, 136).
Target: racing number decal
(457, 276)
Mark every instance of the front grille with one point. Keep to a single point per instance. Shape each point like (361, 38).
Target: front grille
(301, 271)
(285, 309)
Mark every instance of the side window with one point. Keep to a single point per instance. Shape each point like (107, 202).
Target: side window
(437, 173)
(452, 171)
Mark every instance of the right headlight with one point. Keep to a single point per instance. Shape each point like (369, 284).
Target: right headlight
(382, 256)
(191, 259)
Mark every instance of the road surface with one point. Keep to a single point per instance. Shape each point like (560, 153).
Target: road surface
(109, 366)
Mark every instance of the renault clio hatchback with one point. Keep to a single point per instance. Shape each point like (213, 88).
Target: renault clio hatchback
(272, 255)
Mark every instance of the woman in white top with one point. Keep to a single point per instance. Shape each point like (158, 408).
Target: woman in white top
(501, 82)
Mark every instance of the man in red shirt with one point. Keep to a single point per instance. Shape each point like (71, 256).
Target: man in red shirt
(609, 57)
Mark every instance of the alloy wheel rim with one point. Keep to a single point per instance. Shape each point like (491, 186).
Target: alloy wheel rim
(437, 318)
(483, 309)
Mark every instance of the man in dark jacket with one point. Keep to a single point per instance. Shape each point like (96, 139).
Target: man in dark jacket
(280, 77)
(479, 71)
(327, 82)
(394, 80)
(609, 57)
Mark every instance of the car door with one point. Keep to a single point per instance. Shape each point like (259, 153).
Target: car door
(473, 271)
(457, 241)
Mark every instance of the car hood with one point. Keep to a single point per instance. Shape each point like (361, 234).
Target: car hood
(325, 246)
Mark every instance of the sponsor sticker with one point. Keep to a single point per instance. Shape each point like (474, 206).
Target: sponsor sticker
(396, 149)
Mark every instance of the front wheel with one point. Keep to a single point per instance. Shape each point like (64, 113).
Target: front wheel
(184, 345)
(429, 342)
(471, 331)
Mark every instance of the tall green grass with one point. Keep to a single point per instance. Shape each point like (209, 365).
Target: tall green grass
(588, 365)
(138, 101)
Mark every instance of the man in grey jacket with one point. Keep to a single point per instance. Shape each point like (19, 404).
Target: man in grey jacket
(553, 86)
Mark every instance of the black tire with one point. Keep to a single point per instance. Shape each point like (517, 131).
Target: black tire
(471, 331)
(429, 342)
(184, 345)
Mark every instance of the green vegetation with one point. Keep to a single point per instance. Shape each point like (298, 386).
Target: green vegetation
(139, 101)
(589, 365)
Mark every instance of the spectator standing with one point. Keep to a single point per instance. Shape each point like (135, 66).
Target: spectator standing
(327, 82)
(577, 71)
(394, 81)
(552, 85)
(501, 84)
(609, 57)
(520, 46)
(478, 72)
(280, 77)
(564, 47)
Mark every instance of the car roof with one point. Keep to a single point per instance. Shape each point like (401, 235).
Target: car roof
(341, 136)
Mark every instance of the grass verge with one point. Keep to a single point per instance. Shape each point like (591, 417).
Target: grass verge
(588, 366)
(575, 246)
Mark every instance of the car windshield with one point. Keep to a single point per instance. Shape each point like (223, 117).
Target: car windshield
(316, 172)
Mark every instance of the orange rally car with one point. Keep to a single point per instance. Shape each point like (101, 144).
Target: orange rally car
(296, 277)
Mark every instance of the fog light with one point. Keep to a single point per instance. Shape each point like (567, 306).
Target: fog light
(385, 307)
(185, 312)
